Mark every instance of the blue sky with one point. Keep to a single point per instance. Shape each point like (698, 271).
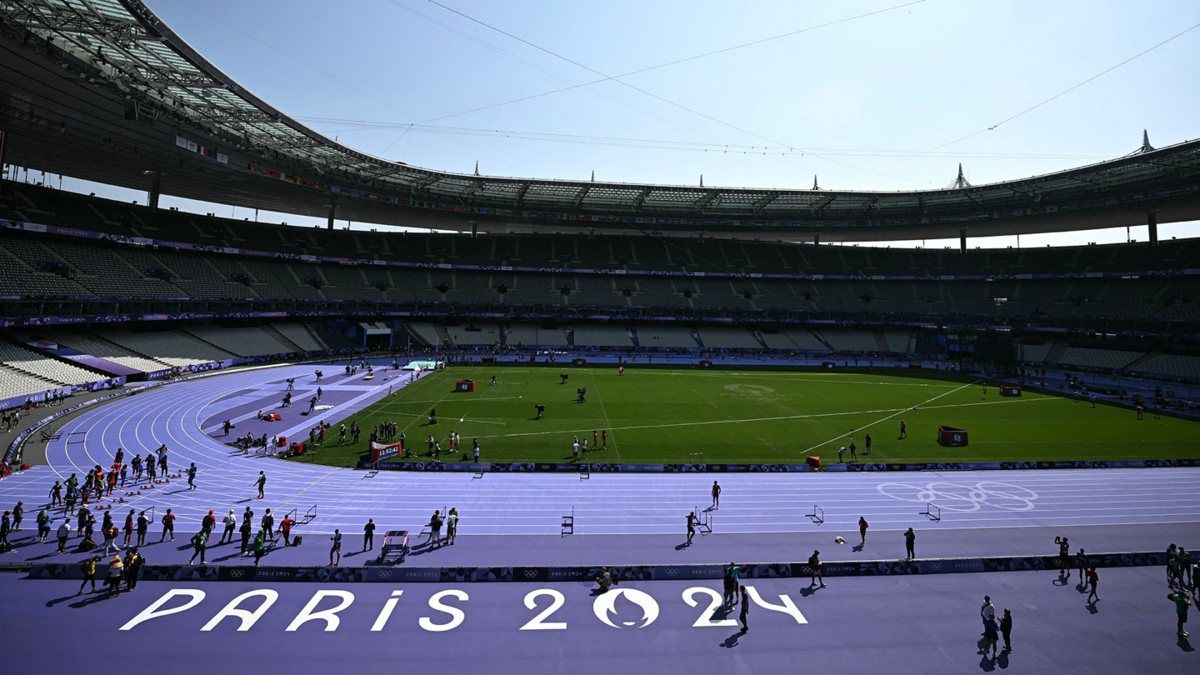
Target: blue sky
(870, 103)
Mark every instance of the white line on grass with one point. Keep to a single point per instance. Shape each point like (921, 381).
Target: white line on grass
(894, 414)
(793, 417)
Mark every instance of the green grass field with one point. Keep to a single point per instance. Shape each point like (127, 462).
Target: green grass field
(692, 416)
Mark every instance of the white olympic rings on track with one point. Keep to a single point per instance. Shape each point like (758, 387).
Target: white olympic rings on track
(963, 498)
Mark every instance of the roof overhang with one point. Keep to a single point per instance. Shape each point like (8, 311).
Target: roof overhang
(104, 90)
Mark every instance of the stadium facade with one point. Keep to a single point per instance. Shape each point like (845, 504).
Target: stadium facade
(103, 90)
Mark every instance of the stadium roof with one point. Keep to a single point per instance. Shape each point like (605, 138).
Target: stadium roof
(132, 96)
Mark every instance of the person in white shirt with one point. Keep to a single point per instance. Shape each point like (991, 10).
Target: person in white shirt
(230, 526)
(64, 533)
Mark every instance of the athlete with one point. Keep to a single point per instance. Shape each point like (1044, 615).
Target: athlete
(191, 474)
(903, 429)
(867, 440)
(716, 495)
(691, 527)
(261, 483)
(168, 523)
(143, 526)
(604, 439)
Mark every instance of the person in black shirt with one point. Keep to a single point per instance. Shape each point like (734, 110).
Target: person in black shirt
(1064, 556)
(691, 527)
(246, 529)
(814, 566)
(369, 535)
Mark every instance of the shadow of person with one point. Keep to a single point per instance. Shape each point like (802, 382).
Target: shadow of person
(1091, 607)
(858, 548)
(1184, 644)
(732, 641)
(51, 603)
(99, 596)
(1002, 661)
(686, 544)
(987, 664)
(807, 591)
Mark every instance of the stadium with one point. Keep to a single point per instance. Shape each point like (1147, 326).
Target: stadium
(656, 408)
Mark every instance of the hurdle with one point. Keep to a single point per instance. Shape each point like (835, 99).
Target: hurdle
(309, 515)
(81, 434)
(427, 531)
(933, 512)
(49, 434)
(478, 472)
(585, 471)
(703, 520)
(817, 516)
(568, 524)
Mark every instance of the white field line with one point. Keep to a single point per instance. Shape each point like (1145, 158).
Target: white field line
(897, 411)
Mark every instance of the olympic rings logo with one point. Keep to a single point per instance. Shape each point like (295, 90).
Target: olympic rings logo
(531, 574)
(963, 498)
